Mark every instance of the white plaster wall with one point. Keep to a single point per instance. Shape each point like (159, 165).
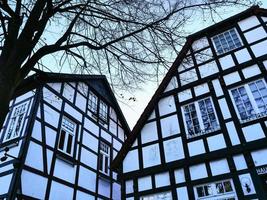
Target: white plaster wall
(182, 193)
(33, 185)
(201, 89)
(240, 162)
(217, 87)
(50, 136)
(116, 191)
(129, 187)
(57, 191)
(231, 78)
(198, 171)
(91, 126)
(81, 196)
(49, 155)
(36, 131)
(248, 23)
(208, 69)
(68, 92)
(196, 147)
(169, 126)
(166, 105)
(80, 102)
(162, 179)
(87, 179)
(186, 63)
(90, 141)
(179, 176)
(55, 86)
(219, 167)
(188, 77)
(232, 133)
(33, 156)
(5, 183)
(131, 161)
(255, 34)
(184, 95)
(226, 62)
(116, 144)
(173, 149)
(51, 116)
(253, 132)
(88, 158)
(172, 84)
(106, 135)
(104, 187)
(203, 56)
(216, 142)
(151, 155)
(200, 44)
(259, 157)
(65, 171)
(144, 183)
(73, 112)
(149, 132)
(24, 96)
(82, 88)
(113, 127)
(242, 56)
(259, 49)
(251, 71)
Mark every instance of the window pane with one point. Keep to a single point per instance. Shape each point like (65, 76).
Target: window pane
(227, 186)
(191, 119)
(101, 162)
(62, 139)
(200, 192)
(69, 146)
(106, 164)
(259, 92)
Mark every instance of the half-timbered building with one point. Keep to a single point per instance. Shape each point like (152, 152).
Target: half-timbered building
(59, 138)
(203, 134)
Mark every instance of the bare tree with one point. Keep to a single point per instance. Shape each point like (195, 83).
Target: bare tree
(127, 40)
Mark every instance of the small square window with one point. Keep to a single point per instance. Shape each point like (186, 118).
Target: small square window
(104, 158)
(67, 136)
(226, 41)
(16, 121)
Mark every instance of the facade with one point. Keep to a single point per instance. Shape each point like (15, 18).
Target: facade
(203, 134)
(62, 132)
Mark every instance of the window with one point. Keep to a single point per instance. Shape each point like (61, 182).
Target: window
(16, 121)
(104, 158)
(226, 41)
(222, 190)
(200, 118)
(103, 111)
(159, 196)
(250, 100)
(67, 136)
(92, 102)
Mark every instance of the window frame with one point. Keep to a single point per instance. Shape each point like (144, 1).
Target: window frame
(200, 119)
(222, 33)
(252, 100)
(91, 104)
(103, 117)
(66, 137)
(215, 193)
(105, 169)
(22, 122)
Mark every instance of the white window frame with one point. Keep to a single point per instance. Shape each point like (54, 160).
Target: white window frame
(157, 196)
(215, 195)
(92, 102)
(200, 120)
(104, 151)
(258, 114)
(225, 51)
(68, 133)
(103, 111)
(13, 122)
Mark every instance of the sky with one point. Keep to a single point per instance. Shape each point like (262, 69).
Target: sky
(133, 109)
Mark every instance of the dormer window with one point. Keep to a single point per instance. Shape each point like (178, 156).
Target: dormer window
(200, 118)
(226, 41)
(103, 111)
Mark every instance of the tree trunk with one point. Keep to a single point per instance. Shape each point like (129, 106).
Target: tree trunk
(7, 86)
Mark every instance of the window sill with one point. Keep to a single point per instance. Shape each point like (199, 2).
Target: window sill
(68, 159)
(254, 117)
(104, 177)
(10, 143)
(203, 132)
